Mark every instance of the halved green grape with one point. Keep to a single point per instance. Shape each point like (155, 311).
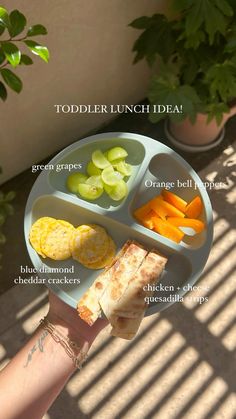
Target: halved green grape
(95, 181)
(74, 180)
(124, 168)
(117, 161)
(117, 192)
(99, 160)
(89, 192)
(107, 188)
(92, 170)
(116, 153)
(110, 176)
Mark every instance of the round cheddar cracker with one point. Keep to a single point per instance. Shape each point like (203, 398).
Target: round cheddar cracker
(36, 231)
(106, 259)
(89, 243)
(55, 240)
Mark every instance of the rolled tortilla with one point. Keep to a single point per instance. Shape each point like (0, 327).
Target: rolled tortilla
(126, 267)
(130, 309)
(88, 306)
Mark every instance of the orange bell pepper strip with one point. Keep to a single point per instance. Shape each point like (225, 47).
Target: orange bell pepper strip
(164, 209)
(174, 199)
(142, 212)
(167, 230)
(194, 208)
(196, 225)
(148, 220)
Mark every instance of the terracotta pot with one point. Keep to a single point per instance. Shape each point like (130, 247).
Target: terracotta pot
(199, 133)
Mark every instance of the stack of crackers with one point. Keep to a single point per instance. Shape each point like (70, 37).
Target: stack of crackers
(89, 244)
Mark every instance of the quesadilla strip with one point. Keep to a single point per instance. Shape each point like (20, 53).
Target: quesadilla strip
(126, 267)
(88, 306)
(130, 309)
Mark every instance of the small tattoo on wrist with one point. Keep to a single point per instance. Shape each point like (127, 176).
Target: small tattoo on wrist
(38, 346)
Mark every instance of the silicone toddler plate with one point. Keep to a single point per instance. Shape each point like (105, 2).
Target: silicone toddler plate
(153, 163)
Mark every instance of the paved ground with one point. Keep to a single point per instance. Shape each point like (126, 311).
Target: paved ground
(182, 362)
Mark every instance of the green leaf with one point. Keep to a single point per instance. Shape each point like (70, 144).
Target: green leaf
(209, 14)
(225, 7)
(3, 91)
(4, 18)
(26, 60)
(194, 18)
(18, 22)
(37, 30)
(142, 22)
(38, 49)
(222, 80)
(190, 70)
(195, 39)
(13, 81)
(217, 111)
(12, 53)
(163, 91)
(157, 38)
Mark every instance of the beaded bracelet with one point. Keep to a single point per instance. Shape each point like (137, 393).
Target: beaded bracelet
(71, 348)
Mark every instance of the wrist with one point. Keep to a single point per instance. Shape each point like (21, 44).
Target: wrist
(74, 329)
(76, 350)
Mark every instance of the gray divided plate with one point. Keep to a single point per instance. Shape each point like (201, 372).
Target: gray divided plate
(152, 161)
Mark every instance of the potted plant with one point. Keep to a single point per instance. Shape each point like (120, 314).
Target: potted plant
(12, 25)
(193, 56)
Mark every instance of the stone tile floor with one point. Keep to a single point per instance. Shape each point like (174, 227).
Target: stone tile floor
(182, 363)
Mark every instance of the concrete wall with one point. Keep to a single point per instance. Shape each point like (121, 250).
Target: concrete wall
(91, 62)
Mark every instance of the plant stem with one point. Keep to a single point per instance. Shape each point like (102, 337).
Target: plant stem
(15, 40)
(4, 65)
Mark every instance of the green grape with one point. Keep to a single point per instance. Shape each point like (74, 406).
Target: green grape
(74, 180)
(99, 160)
(110, 176)
(92, 170)
(95, 181)
(124, 168)
(89, 192)
(116, 162)
(117, 192)
(108, 188)
(116, 153)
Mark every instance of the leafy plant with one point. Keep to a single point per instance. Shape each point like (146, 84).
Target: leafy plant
(11, 26)
(197, 57)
